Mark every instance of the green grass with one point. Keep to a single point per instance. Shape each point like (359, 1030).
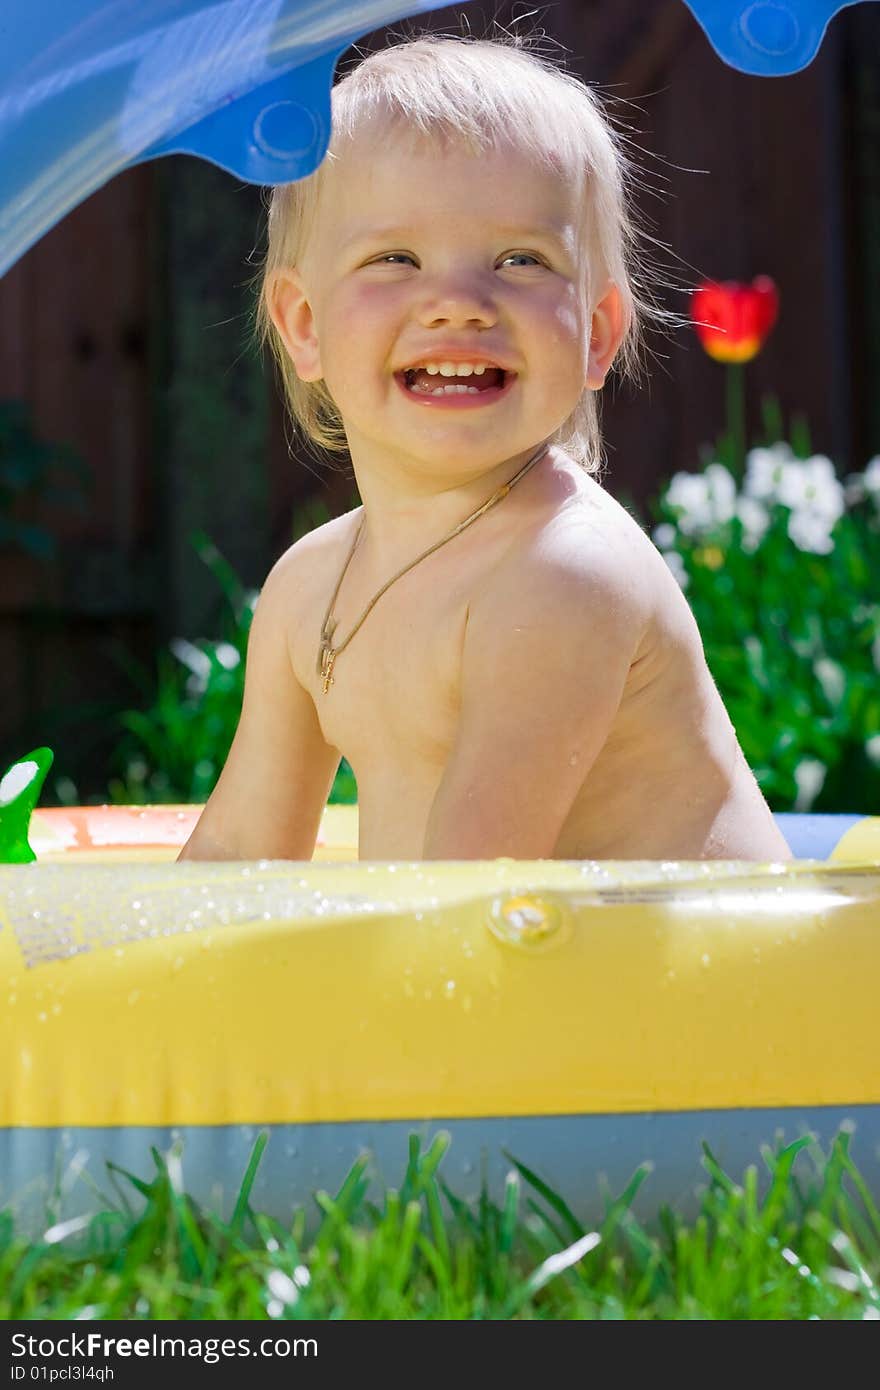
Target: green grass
(806, 1245)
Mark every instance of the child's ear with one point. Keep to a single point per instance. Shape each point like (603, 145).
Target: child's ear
(606, 333)
(291, 313)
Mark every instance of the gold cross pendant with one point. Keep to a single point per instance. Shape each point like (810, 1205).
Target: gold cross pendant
(328, 657)
(326, 654)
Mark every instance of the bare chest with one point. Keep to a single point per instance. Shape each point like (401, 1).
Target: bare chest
(393, 695)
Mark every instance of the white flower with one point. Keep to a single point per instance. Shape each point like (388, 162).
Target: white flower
(811, 484)
(853, 489)
(810, 532)
(872, 748)
(228, 656)
(858, 486)
(197, 661)
(810, 777)
(831, 677)
(192, 656)
(754, 518)
(764, 468)
(872, 476)
(705, 500)
(676, 564)
(689, 493)
(664, 536)
(722, 491)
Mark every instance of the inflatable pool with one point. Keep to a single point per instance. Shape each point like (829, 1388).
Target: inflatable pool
(580, 1016)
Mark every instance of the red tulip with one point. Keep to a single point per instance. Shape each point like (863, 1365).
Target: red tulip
(733, 320)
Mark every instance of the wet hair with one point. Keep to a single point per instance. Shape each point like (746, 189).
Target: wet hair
(477, 93)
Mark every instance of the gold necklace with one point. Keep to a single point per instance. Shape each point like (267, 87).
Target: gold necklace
(327, 653)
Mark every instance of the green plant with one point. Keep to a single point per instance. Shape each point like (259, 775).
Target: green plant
(32, 471)
(802, 1243)
(174, 750)
(781, 576)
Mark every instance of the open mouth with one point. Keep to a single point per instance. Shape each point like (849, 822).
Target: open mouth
(472, 389)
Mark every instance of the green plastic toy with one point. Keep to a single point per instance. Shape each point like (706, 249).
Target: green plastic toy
(19, 792)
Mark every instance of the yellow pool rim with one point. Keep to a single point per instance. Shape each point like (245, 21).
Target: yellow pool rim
(336, 991)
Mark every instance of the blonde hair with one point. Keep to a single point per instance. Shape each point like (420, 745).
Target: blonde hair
(475, 93)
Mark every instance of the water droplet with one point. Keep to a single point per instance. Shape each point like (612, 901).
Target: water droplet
(449, 989)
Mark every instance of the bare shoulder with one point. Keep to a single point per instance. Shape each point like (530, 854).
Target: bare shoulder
(301, 570)
(581, 555)
(321, 543)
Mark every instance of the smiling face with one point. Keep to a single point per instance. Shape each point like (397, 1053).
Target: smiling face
(421, 255)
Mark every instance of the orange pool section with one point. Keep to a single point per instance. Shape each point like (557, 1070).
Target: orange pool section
(157, 833)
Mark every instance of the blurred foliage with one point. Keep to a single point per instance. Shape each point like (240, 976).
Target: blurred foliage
(34, 472)
(782, 573)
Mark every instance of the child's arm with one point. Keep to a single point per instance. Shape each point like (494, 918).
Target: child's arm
(274, 786)
(547, 651)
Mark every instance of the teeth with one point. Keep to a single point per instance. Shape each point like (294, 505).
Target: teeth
(453, 368)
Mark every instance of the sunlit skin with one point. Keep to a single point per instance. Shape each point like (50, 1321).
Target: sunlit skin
(536, 687)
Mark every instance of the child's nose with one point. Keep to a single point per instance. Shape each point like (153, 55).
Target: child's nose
(460, 300)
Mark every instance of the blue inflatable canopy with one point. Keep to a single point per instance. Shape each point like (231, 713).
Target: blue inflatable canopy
(91, 87)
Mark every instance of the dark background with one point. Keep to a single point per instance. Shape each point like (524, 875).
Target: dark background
(127, 332)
